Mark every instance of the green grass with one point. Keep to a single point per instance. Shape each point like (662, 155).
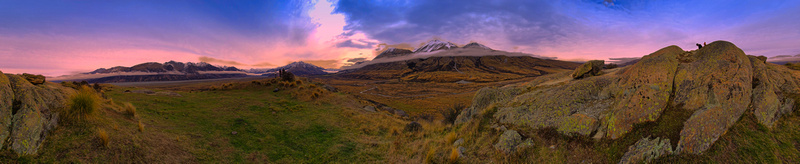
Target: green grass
(269, 126)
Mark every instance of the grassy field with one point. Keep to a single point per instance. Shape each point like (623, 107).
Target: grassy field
(246, 122)
(240, 122)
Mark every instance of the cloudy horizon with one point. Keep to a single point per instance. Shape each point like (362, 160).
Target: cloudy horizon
(56, 37)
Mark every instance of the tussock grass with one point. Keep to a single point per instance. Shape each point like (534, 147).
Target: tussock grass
(82, 106)
(453, 155)
(141, 126)
(103, 137)
(129, 110)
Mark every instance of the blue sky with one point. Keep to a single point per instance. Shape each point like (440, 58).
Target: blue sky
(56, 37)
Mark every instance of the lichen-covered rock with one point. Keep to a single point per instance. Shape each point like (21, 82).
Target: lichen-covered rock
(578, 124)
(646, 150)
(590, 68)
(6, 98)
(768, 80)
(34, 113)
(718, 87)
(34, 79)
(716, 84)
(510, 141)
(643, 90)
(482, 99)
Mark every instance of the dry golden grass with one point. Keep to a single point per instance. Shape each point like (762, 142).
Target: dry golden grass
(453, 155)
(141, 126)
(129, 110)
(82, 106)
(103, 137)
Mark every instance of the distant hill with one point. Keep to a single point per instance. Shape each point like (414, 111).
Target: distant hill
(297, 68)
(448, 63)
(394, 52)
(153, 71)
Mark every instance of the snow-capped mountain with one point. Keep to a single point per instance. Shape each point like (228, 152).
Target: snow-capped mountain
(476, 45)
(434, 45)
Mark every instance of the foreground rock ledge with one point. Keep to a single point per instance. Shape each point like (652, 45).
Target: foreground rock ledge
(716, 84)
(28, 112)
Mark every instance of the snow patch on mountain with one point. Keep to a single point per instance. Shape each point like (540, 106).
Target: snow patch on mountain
(435, 45)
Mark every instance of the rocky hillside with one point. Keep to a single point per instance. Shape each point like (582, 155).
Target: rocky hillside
(393, 52)
(457, 68)
(28, 112)
(704, 93)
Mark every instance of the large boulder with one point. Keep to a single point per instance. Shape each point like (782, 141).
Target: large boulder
(643, 91)
(718, 87)
(715, 84)
(34, 113)
(590, 68)
(646, 150)
(769, 82)
(6, 101)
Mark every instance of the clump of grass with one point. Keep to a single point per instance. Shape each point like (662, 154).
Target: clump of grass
(103, 136)
(141, 126)
(129, 110)
(450, 138)
(429, 157)
(82, 105)
(454, 155)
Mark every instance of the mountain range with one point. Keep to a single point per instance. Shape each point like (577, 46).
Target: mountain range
(441, 61)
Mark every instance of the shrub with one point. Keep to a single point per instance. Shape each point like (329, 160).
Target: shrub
(611, 66)
(129, 110)
(285, 75)
(103, 136)
(794, 66)
(82, 105)
(450, 114)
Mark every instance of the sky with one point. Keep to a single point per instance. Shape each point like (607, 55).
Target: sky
(59, 37)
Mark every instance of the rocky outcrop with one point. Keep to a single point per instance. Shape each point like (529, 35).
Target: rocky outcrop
(643, 91)
(34, 79)
(510, 141)
(647, 150)
(590, 68)
(717, 84)
(31, 114)
(6, 100)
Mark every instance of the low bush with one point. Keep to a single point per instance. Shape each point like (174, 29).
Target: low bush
(794, 66)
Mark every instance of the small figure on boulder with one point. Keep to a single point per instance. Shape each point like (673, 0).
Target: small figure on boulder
(699, 46)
